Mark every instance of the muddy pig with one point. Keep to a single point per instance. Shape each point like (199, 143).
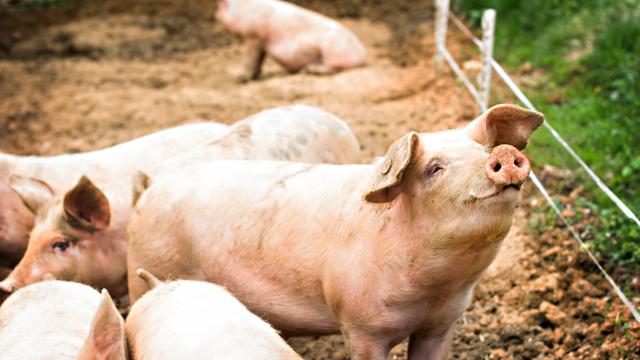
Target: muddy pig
(61, 320)
(379, 252)
(80, 235)
(60, 172)
(296, 38)
(198, 320)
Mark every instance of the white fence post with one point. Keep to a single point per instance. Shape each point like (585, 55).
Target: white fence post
(442, 19)
(488, 25)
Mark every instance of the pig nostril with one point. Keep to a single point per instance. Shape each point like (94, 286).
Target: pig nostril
(497, 167)
(517, 163)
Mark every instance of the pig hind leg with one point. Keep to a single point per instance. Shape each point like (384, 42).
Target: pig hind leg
(338, 52)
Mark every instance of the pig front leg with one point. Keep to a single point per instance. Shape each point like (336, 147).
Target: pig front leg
(425, 346)
(364, 346)
(256, 54)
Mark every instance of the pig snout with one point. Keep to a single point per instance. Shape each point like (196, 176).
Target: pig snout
(507, 166)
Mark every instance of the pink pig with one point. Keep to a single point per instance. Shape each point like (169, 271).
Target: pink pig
(61, 320)
(60, 172)
(379, 252)
(80, 235)
(198, 320)
(296, 38)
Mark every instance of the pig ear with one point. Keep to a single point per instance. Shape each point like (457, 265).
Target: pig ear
(505, 124)
(141, 182)
(86, 206)
(106, 339)
(34, 193)
(386, 183)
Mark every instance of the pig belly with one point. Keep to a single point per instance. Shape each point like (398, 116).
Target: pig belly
(271, 299)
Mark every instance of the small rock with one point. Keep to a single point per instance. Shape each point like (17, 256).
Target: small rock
(498, 354)
(552, 313)
(472, 65)
(545, 283)
(582, 287)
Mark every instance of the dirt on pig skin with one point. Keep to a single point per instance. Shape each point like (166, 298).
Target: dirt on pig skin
(91, 75)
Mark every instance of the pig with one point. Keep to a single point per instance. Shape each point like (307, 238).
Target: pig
(60, 172)
(296, 38)
(187, 319)
(80, 235)
(379, 252)
(61, 320)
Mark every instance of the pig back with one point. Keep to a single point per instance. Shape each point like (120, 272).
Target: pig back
(115, 162)
(299, 133)
(193, 319)
(47, 320)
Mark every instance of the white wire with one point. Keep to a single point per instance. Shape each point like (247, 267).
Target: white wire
(520, 95)
(456, 69)
(575, 234)
(505, 77)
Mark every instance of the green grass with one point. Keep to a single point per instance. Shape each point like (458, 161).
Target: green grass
(590, 51)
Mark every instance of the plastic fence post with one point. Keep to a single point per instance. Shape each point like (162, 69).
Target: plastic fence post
(488, 25)
(442, 19)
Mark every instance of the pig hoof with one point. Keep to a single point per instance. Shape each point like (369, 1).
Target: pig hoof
(243, 79)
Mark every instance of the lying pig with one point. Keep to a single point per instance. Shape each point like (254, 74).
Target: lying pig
(61, 320)
(379, 252)
(60, 172)
(198, 320)
(80, 235)
(295, 37)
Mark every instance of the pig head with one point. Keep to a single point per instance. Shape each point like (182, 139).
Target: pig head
(53, 319)
(73, 238)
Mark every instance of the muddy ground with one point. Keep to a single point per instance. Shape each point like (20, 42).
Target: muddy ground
(88, 76)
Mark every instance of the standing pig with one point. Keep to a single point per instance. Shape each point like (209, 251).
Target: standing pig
(60, 172)
(379, 252)
(61, 320)
(295, 37)
(198, 320)
(80, 235)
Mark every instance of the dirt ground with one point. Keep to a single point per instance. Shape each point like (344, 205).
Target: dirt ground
(96, 74)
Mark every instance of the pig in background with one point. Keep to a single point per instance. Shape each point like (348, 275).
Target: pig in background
(379, 252)
(80, 235)
(296, 38)
(198, 320)
(61, 171)
(61, 320)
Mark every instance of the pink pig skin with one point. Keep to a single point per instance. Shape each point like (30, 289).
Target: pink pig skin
(379, 252)
(60, 172)
(61, 320)
(80, 235)
(295, 37)
(184, 320)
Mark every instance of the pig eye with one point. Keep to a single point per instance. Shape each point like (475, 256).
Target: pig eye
(434, 169)
(61, 246)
